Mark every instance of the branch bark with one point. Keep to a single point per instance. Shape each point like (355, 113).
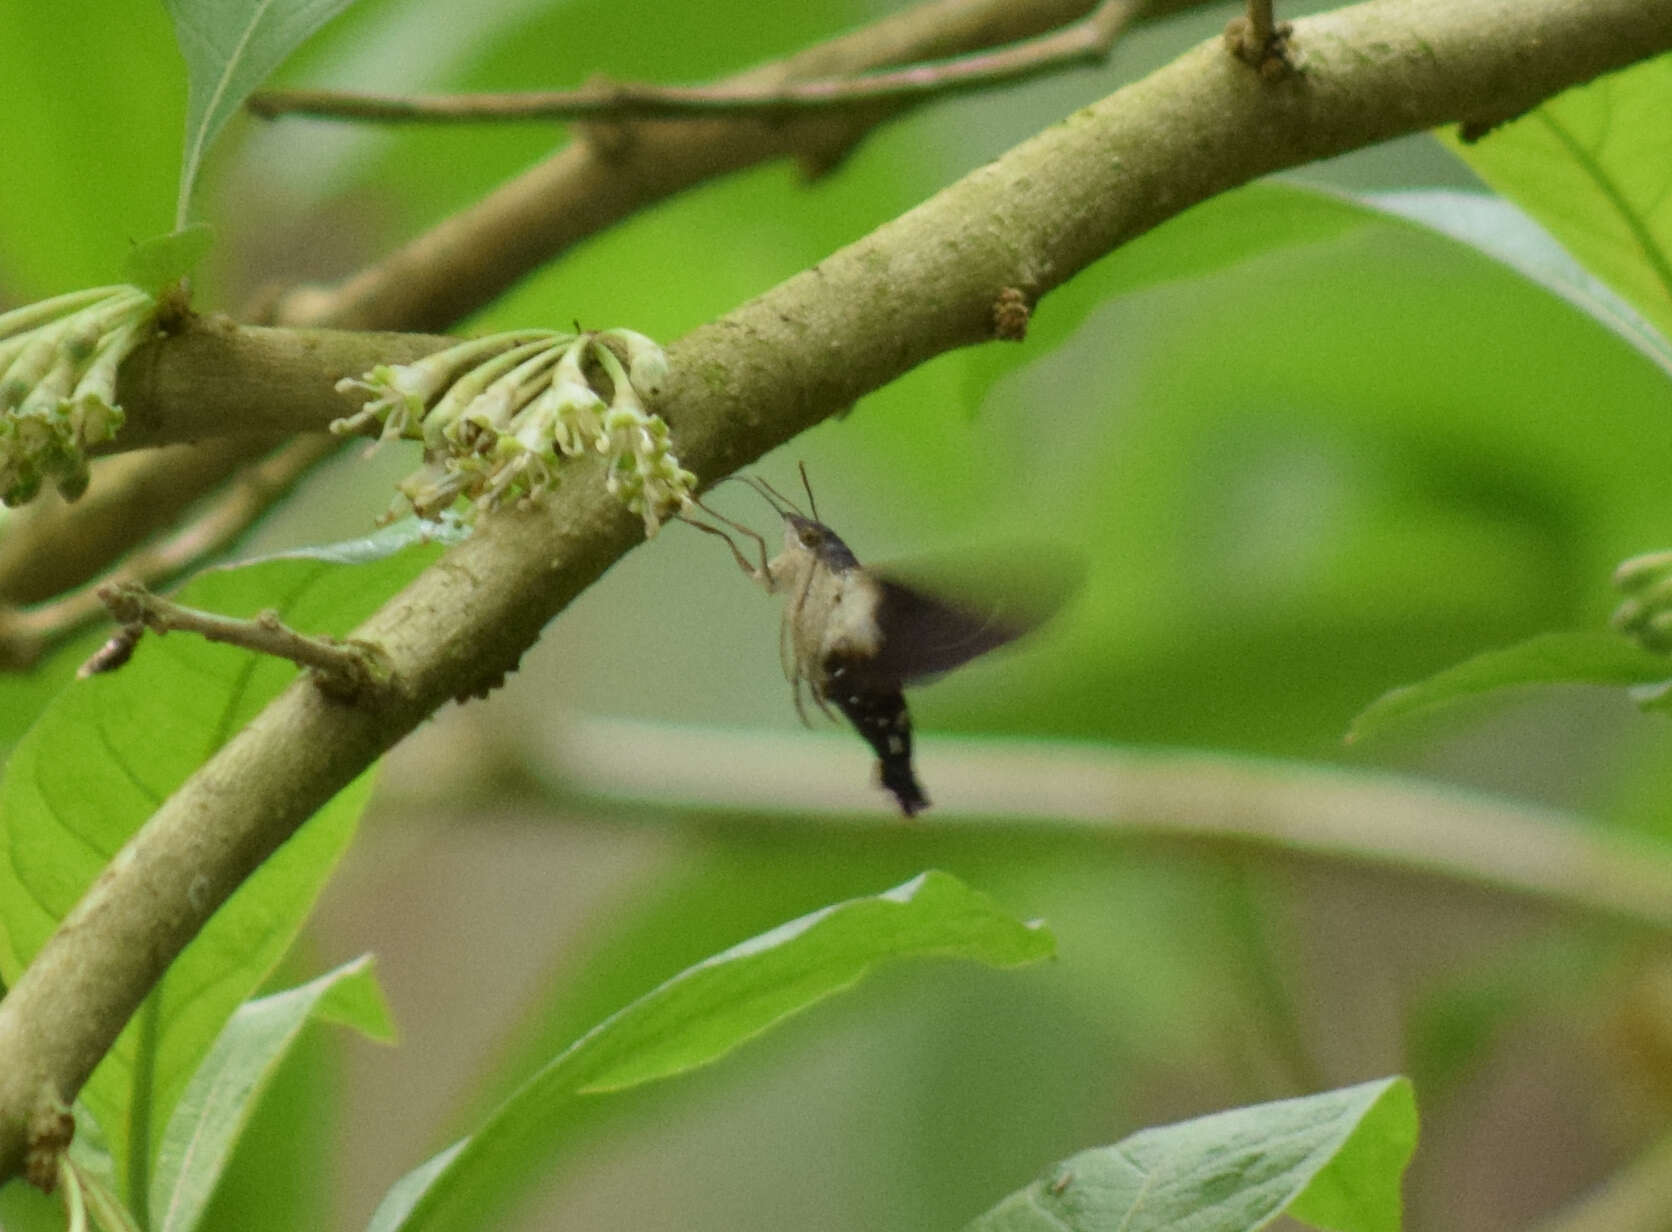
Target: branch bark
(755, 378)
(218, 378)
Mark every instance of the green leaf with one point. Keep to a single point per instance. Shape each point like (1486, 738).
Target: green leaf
(158, 263)
(96, 764)
(223, 1093)
(1550, 658)
(1497, 229)
(230, 47)
(1590, 166)
(1275, 216)
(1332, 1160)
(700, 1015)
(90, 1155)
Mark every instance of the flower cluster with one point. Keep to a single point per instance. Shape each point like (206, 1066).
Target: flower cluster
(498, 415)
(58, 362)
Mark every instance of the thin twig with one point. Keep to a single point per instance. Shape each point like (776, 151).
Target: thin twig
(344, 669)
(27, 633)
(1087, 41)
(52, 546)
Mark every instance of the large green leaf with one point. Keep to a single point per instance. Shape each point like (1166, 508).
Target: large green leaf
(1332, 1160)
(700, 1015)
(1497, 229)
(230, 47)
(1590, 165)
(97, 763)
(1550, 658)
(222, 1095)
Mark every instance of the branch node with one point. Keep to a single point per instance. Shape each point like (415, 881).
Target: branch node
(1011, 312)
(344, 670)
(611, 136)
(1261, 43)
(51, 1127)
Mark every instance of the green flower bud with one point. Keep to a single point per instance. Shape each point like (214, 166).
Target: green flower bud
(19, 483)
(32, 361)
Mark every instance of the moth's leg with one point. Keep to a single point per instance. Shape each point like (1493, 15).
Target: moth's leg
(790, 653)
(795, 693)
(786, 651)
(809, 666)
(828, 683)
(761, 573)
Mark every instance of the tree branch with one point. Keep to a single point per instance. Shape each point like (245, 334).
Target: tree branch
(1087, 41)
(751, 380)
(215, 377)
(469, 260)
(1375, 820)
(347, 670)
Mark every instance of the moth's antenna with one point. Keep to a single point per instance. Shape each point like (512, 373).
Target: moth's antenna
(812, 504)
(788, 503)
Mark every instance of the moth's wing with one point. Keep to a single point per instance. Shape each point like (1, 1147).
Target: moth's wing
(939, 614)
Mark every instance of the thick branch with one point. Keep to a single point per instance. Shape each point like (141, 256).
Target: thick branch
(811, 346)
(218, 378)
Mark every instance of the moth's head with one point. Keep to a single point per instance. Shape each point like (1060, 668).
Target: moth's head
(807, 538)
(804, 535)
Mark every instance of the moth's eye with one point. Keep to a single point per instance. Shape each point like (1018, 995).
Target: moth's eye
(809, 537)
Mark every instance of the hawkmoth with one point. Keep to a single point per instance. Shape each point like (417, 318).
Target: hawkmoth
(854, 637)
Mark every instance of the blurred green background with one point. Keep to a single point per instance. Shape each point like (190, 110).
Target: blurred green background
(1351, 456)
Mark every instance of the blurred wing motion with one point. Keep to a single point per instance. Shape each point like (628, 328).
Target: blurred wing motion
(926, 632)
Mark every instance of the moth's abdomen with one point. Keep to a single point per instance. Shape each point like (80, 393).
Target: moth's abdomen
(881, 717)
